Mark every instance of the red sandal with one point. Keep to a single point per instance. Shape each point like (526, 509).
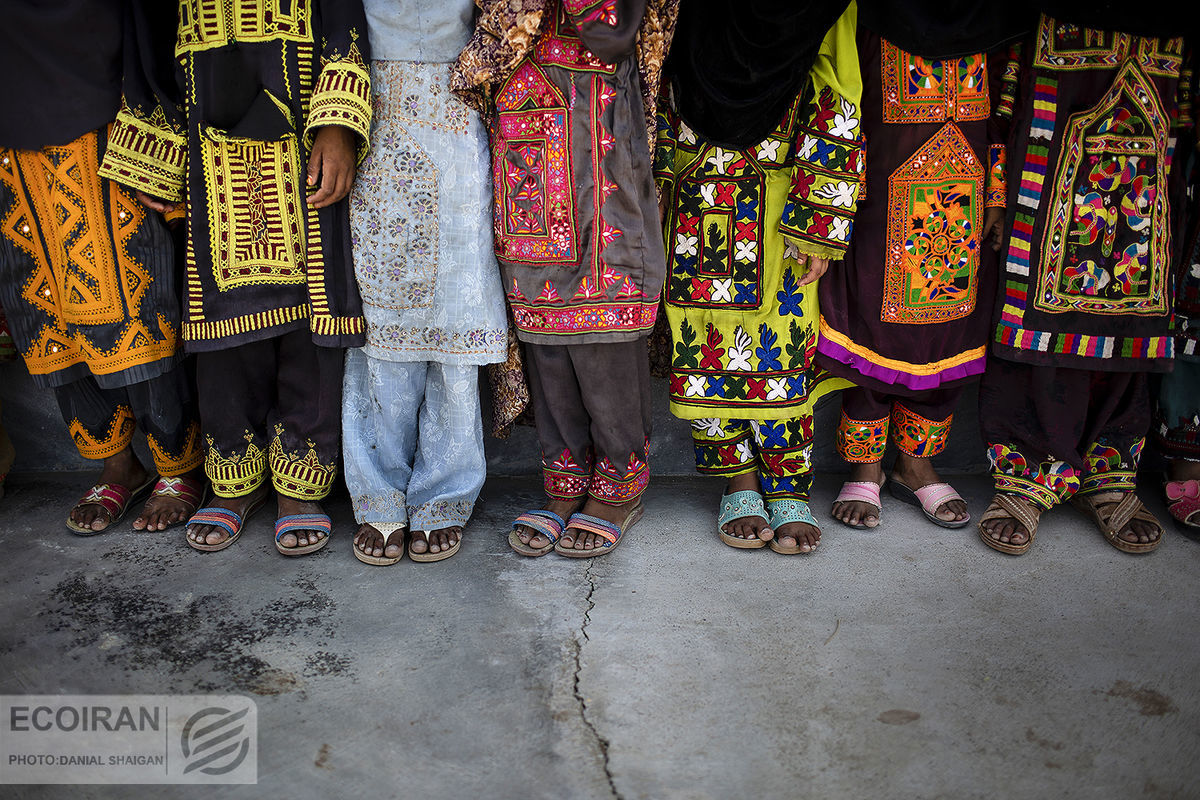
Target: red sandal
(113, 498)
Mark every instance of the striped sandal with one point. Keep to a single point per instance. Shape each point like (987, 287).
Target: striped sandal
(786, 511)
(746, 503)
(189, 491)
(610, 532)
(113, 498)
(547, 523)
(302, 522)
(229, 521)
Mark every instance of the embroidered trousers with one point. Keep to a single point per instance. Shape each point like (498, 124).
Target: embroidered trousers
(412, 437)
(779, 450)
(1177, 415)
(919, 425)
(591, 403)
(272, 407)
(102, 421)
(1053, 432)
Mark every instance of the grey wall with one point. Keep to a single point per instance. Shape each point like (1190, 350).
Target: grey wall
(31, 416)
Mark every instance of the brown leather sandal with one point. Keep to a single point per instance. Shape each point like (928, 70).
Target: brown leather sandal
(1113, 516)
(1010, 506)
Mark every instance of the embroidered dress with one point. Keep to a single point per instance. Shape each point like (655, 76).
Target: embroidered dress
(1085, 289)
(86, 272)
(270, 296)
(745, 332)
(576, 222)
(420, 216)
(907, 312)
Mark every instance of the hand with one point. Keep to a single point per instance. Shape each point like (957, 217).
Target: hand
(993, 226)
(816, 268)
(333, 160)
(155, 203)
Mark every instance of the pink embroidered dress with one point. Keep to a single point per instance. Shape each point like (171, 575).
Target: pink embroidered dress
(576, 219)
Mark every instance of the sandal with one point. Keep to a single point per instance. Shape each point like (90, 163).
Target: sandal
(302, 522)
(1010, 506)
(788, 510)
(1183, 504)
(113, 498)
(427, 556)
(380, 561)
(861, 492)
(930, 498)
(1112, 516)
(746, 503)
(547, 523)
(229, 521)
(610, 532)
(189, 491)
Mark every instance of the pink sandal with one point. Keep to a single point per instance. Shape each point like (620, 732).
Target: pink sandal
(1183, 503)
(861, 492)
(113, 498)
(930, 498)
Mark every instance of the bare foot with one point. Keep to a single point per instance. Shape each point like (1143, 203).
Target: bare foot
(211, 534)
(854, 512)
(122, 469)
(1008, 530)
(564, 508)
(916, 473)
(798, 534)
(747, 527)
(370, 542)
(163, 511)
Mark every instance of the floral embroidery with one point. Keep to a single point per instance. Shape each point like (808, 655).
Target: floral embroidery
(561, 46)
(614, 486)
(916, 90)
(1105, 248)
(565, 478)
(862, 442)
(592, 11)
(1045, 484)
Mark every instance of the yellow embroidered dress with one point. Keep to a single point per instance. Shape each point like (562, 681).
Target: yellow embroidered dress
(258, 77)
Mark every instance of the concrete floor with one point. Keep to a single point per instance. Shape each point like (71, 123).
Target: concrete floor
(910, 662)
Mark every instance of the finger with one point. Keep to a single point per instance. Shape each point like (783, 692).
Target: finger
(320, 198)
(314, 166)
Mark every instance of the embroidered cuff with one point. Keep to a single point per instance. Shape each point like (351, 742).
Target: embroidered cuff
(917, 436)
(997, 178)
(862, 442)
(342, 97)
(144, 153)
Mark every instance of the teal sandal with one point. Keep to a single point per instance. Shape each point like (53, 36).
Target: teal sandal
(746, 503)
(785, 511)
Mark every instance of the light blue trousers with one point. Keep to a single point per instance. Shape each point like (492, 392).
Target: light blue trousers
(412, 439)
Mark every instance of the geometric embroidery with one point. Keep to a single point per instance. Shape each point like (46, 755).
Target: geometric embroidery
(561, 46)
(302, 477)
(916, 90)
(254, 209)
(205, 24)
(593, 10)
(239, 474)
(565, 478)
(862, 442)
(917, 436)
(1106, 241)
(1064, 46)
(933, 232)
(535, 202)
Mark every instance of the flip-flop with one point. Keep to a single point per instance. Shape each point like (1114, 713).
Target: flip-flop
(791, 510)
(744, 503)
(229, 521)
(547, 523)
(861, 492)
(302, 522)
(113, 498)
(427, 556)
(381, 561)
(1010, 506)
(190, 491)
(1183, 504)
(610, 532)
(930, 498)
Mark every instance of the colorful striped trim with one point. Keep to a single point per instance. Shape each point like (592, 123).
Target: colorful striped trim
(606, 530)
(918, 377)
(544, 522)
(224, 519)
(302, 522)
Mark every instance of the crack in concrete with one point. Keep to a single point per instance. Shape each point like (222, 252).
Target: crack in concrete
(601, 742)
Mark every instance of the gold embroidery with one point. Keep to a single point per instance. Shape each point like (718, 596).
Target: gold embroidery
(342, 96)
(254, 209)
(240, 473)
(190, 456)
(205, 24)
(146, 153)
(302, 477)
(108, 443)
